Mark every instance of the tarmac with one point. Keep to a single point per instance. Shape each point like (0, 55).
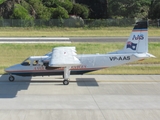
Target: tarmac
(87, 97)
(68, 40)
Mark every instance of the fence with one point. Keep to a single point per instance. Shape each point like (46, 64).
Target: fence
(70, 22)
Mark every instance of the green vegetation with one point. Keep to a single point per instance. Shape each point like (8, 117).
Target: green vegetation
(1, 1)
(129, 8)
(16, 53)
(107, 9)
(40, 9)
(80, 10)
(20, 12)
(59, 12)
(154, 9)
(125, 70)
(71, 32)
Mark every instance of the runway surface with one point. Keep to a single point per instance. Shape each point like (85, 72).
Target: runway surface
(34, 40)
(108, 39)
(67, 40)
(87, 97)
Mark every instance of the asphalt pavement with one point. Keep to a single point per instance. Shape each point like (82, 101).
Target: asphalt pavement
(108, 39)
(67, 40)
(87, 97)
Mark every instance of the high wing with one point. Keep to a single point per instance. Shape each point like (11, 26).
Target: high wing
(64, 57)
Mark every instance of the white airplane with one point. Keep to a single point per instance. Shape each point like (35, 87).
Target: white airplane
(64, 60)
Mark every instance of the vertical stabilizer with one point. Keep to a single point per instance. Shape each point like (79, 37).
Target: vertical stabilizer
(138, 40)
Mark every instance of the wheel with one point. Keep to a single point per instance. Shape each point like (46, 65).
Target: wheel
(65, 82)
(11, 78)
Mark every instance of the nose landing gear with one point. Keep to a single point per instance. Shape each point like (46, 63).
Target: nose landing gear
(11, 78)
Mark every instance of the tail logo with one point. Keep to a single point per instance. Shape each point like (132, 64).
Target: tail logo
(138, 37)
(131, 45)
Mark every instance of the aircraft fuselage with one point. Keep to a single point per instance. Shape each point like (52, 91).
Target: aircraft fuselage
(89, 63)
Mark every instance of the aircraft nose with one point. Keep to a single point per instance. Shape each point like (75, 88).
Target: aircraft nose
(11, 68)
(7, 69)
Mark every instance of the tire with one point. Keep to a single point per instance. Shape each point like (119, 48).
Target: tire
(65, 82)
(11, 78)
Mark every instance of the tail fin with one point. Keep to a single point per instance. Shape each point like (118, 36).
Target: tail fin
(137, 43)
(138, 40)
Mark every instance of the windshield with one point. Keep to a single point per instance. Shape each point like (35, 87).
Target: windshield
(48, 54)
(26, 62)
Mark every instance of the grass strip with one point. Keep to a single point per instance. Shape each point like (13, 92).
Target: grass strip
(71, 32)
(129, 70)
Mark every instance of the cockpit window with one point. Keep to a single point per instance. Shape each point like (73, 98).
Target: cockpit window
(26, 62)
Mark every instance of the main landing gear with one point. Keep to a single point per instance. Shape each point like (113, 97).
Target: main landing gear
(65, 82)
(11, 78)
(66, 76)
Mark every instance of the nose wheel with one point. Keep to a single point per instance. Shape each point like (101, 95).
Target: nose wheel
(65, 82)
(11, 78)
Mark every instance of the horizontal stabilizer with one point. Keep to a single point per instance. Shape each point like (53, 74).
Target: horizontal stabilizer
(63, 57)
(143, 55)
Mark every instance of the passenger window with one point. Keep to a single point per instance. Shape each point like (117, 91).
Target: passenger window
(35, 63)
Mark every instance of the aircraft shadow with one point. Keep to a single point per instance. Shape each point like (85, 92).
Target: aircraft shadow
(90, 82)
(10, 89)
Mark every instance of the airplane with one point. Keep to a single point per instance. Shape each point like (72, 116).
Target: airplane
(65, 61)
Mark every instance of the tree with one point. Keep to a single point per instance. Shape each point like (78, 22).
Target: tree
(80, 10)
(20, 12)
(97, 8)
(50, 3)
(66, 4)
(129, 8)
(107, 14)
(42, 12)
(154, 9)
(156, 13)
(59, 12)
(58, 9)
